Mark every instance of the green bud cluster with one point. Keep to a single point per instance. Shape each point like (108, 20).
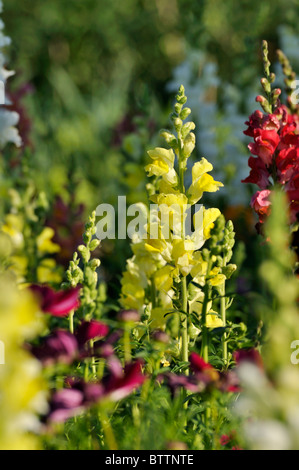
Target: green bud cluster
(269, 102)
(221, 245)
(290, 76)
(87, 275)
(185, 140)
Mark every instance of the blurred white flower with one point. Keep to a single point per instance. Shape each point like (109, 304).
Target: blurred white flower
(8, 119)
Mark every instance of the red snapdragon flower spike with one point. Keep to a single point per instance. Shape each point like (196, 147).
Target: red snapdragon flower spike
(58, 304)
(90, 330)
(65, 404)
(59, 346)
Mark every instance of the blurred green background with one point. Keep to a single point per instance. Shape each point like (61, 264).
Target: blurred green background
(99, 72)
(96, 64)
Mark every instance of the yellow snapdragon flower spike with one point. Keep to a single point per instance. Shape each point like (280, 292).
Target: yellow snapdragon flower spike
(170, 256)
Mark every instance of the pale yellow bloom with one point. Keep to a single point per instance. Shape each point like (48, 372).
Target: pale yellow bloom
(201, 181)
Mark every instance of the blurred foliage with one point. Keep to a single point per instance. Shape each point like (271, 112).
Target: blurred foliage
(94, 62)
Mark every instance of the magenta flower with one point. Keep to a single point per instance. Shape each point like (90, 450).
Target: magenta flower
(58, 304)
(261, 204)
(81, 395)
(60, 346)
(248, 355)
(90, 330)
(65, 404)
(121, 382)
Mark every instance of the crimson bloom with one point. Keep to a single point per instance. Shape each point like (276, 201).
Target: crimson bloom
(261, 204)
(265, 144)
(259, 174)
(58, 304)
(65, 347)
(88, 330)
(80, 395)
(59, 346)
(248, 355)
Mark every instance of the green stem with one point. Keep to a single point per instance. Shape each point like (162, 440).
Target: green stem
(71, 321)
(184, 323)
(127, 345)
(205, 338)
(108, 431)
(223, 317)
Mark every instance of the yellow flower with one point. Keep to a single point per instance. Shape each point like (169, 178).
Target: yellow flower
(182, 253)
(20, 321)
(14, 226)
(201, 181)
(163, 278)
(44, 241)
(209, 217)
(213, 321)
(48, 271)
(158, 319)
(132, 292)
(162, 164)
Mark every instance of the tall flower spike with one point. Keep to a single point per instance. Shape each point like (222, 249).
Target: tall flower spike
(157, 277)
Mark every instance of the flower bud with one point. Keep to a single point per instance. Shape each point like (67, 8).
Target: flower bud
(128, 316)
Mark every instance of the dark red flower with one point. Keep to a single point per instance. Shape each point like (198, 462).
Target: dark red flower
(259, 174)
(59, 346)
(248, 355)
(265, 144)
(261, 204)
(58, 304)
(80, 395)
(90, 330)
(121, 382)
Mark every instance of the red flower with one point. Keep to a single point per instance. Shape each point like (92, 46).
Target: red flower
(265, 144)
(60, 346)
(287, 162)
(224, 439)
(81, 395)
(259, 174)
(248, 355)
(121, 382)
(258, 120)
(63, 346)
(261, 204)
(90, 330)
(203, 371)
(58, 304)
